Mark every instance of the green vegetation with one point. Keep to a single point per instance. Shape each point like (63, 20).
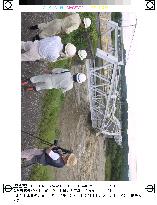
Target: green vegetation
(52, 102)
(124, 122)
(108, 168)
(116, 166)
(79, 36)
(117, 17)
(114, 161)
(48, 130)
(41, 173)
(65, 63)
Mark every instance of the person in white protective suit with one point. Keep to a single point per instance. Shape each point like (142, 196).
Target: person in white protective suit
(58, 26)
(59, 78)
(50, 49)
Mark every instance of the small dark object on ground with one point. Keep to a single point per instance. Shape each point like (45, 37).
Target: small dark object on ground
(33, 27)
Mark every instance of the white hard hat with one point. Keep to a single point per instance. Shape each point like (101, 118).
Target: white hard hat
(82, 54)
(87, 22)
(80, 77)
(70, 50)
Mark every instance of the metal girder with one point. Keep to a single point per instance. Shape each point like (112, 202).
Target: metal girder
(103, 91)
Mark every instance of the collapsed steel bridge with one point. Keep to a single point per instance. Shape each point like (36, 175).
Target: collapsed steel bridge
(103, 85)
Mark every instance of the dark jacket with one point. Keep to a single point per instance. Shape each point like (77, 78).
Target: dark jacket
(45, 159)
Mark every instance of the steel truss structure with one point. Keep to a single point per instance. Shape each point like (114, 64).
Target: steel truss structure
(103, 91)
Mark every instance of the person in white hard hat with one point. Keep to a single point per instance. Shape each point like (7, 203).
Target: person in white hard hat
(70, 50)
(82, 54)
(58, 26)
(87, 22)
(58, 78)
(50, 49)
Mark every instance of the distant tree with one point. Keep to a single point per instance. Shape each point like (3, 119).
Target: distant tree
(117, 17)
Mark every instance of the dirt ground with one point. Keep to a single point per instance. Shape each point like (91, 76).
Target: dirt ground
(77, 134)
(75, 130)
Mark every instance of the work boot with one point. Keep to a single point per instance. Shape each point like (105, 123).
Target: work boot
(33, 27)
(36, 38)
(24, 83)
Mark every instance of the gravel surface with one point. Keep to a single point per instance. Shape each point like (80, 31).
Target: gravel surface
(30, 101)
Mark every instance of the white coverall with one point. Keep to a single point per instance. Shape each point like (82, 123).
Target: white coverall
(49, 49)
(67, 25)
(31, 51)
(59, 79)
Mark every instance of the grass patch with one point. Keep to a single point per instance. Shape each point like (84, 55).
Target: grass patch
(49, 125)
(48, 130)
(65, 63)
(41, 173)
(108, 169)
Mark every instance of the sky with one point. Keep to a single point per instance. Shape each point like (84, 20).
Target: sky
(130, 19)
